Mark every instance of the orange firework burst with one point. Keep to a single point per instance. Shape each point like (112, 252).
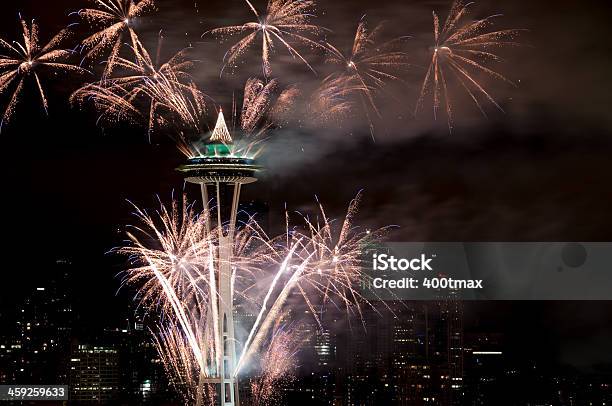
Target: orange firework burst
(365, 70)
(463, 51)
(116, 17)
(284, 21)
(26, 59)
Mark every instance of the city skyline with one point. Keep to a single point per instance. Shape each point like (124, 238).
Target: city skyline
(417, 344)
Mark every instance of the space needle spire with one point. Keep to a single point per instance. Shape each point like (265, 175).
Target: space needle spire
(221, 133)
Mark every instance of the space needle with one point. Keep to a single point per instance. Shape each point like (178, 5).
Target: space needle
(221, 174)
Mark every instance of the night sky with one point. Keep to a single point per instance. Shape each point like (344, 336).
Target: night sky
(541, 171)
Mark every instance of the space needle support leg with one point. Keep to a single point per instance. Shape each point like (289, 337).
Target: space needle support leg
(219, 221)
(234, 214)
(232, 228)
(202, 378)
(205, 205)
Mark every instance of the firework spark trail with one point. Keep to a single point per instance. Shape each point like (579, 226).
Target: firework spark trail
(176, 68)
(183, 243)
(261, 331)
(176, 356)
(332, 99)
(285, 103)
(179, 361)
(179, 276)
(256, 102)
(336, 260)
(320, 265)
(284, 21)
(108, 102)
(183, 318)
(264, 308)
(463, 50)
(26, 59)
(185, 103)
(171, 273)
(264, 106)
(180, 267)
(276, 365)
(173, 277)
(116, 17)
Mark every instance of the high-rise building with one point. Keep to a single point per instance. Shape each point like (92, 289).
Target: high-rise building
(117, 366)
(484, 368)
(37, 345)
(403, 353)
(94, 374)
(446, 347)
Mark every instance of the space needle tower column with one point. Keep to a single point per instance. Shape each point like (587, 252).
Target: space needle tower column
(221, 175)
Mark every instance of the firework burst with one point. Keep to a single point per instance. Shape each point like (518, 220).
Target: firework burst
(280, 113)
(175, 267)
(462, 50)
(169, 99)
(363, 72)
(264, 105)
(162, 93)
(183, 244)
(256, 102)
(116, 17)
(284, 22)
(332, 99)
(322, 263)
(25, 61)
(370, 63)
